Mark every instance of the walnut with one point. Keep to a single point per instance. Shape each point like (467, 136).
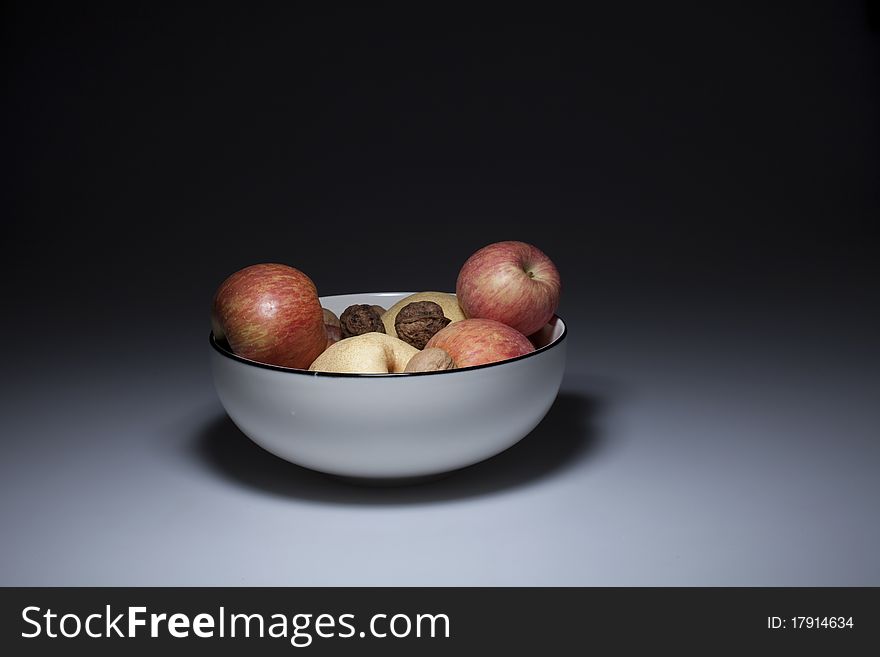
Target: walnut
(431, 359)
(417, 322)
(379, 309)
(360, 319)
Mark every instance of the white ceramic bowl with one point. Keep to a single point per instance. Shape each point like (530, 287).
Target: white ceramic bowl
(390, 425)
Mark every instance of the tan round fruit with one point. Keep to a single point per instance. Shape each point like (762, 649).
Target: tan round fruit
(334, 334)
(330, 318)
(370, 353)
(446, 301)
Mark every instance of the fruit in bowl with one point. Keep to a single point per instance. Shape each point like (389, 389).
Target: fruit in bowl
(395, 426)
(511, 282)
(507, 292)
(369, 353)
(480, 341)
(270, 313)
(448, 304)
(438, 381)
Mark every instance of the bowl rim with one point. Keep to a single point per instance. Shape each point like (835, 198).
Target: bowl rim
(223, 351)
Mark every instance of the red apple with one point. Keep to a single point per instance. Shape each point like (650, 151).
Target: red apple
(510, 282)
(270, 313)
(480, 341)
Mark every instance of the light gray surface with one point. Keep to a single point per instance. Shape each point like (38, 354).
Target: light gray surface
(685, 452)
(707, 193)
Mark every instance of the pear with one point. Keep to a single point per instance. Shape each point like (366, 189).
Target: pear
(369, 353)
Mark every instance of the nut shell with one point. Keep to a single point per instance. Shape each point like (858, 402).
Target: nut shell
(432, 359)
(359, 319)
(417, 322)
(445, 300)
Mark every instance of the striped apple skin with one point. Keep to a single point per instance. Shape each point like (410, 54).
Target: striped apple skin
(514, 283)
(480, 341)
(270, 313)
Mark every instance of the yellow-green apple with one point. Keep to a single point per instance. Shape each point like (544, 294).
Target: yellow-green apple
(510, 282)
(480, 341)
(270, 313)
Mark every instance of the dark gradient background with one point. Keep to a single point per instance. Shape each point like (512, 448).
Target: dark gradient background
(705, 177)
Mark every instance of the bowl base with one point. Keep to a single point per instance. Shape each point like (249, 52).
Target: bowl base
(388, 482)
